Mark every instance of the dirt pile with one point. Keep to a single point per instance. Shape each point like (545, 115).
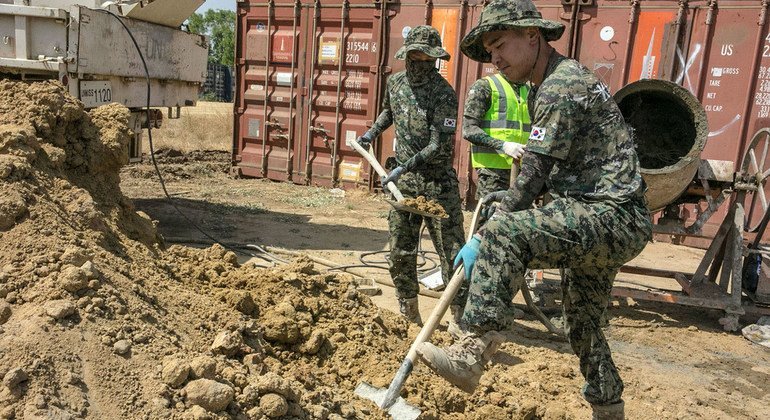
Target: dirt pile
(98, 319)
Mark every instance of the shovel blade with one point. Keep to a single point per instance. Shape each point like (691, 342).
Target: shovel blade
(400, 410)
(398, 206)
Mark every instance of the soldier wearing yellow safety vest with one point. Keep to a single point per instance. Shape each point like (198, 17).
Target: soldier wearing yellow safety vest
(496, 122)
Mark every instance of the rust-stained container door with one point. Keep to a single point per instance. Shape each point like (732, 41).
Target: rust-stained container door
(269, 69)
(727, 62)
(342, 86)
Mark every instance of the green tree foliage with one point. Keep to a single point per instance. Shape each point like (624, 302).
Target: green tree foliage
(219, 26)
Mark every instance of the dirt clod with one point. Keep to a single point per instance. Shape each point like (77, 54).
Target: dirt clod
(211, 395)
(58, 309)
(14, 377)
(273, 405)
(424, 205)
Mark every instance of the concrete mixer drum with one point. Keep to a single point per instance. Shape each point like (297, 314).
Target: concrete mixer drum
(670, 130)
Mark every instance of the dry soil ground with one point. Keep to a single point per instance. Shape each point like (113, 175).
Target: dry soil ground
(676, 362)
(113, 305)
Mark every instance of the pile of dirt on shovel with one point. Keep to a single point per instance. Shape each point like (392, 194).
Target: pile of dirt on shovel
(99, 319)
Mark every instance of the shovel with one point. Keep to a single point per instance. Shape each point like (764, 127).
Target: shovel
(398, 204)
(389, 399)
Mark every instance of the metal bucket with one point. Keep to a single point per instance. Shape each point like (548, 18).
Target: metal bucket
(670, 129)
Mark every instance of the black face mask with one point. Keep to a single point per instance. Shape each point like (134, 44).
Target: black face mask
(418, 72)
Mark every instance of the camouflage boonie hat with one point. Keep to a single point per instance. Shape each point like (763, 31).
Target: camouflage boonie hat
(423, 38)
(500, 15)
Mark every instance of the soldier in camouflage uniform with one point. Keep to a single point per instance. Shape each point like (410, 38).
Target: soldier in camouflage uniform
(490, 177)
(423, 108)
(581, 148)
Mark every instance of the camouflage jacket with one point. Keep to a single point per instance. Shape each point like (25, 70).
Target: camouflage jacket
(576, 121)
(425, 119)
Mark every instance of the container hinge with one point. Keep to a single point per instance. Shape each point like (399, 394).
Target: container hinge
(373, 69)
(303, 92)
(387, 69)
(240, 110)
(369, 123)
(241, 61)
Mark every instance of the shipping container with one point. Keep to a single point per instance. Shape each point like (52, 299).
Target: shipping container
(310, 75)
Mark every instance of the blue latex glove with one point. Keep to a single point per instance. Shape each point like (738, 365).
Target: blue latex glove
(468, 254)
(365, 140)
(393, 176)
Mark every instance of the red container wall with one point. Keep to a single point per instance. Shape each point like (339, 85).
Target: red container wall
(342, 88)
(268, 73)
(319, 82)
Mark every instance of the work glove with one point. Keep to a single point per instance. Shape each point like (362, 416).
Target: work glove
(494, 197)
(468, 254)
(514, 150)
(365, 140)
(393, 176)
(491, 202)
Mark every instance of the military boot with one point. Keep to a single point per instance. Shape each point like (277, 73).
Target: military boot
(454, 327)
(462, 363)
(609, 412)
(410, 310)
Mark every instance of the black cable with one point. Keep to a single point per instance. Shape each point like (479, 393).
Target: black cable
(149, 138)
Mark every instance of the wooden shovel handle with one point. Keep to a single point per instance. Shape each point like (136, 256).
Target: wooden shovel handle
(377, 168)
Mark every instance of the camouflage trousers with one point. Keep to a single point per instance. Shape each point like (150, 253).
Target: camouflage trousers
(490, 180)
(590, 241)
(447, 234)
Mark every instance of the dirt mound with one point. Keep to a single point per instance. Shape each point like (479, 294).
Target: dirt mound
(175, 165)
(99, 319)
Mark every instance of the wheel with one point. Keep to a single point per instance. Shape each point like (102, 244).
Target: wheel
(756, 169)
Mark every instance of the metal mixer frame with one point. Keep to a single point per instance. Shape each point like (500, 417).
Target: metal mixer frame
(717, 282)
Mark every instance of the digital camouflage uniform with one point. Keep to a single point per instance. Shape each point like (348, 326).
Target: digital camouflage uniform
(477, 103)
(424, 112)
(596, 222)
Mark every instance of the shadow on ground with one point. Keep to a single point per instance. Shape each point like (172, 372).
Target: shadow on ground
(241, 225)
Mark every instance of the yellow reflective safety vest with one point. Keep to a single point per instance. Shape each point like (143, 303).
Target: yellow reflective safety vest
(507, 119)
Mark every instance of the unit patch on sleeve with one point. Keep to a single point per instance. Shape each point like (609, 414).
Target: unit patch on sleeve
(450, 122)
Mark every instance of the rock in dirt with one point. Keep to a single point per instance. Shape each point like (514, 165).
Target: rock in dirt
(5, 312)
(73, 279)
(59, 309)
(197, 412)
(240, 300)
(280, 324)
(74, 256)
(273, 383)
(14, 377)
(273, 405)
(228, 343)
(314, 343)
(12, 208)
(90, 270)
(211, 395)
(122, 347)
(203, 367)
(175, 372)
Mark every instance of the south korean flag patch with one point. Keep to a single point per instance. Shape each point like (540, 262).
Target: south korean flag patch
(450, 122)
(537, 134)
